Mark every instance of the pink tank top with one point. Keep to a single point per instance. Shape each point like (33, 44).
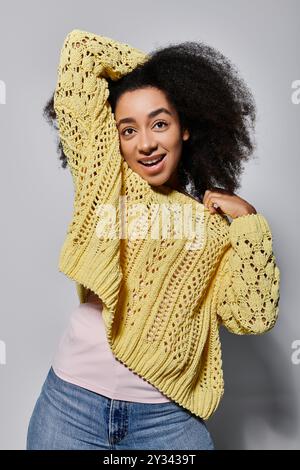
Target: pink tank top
(84, 358)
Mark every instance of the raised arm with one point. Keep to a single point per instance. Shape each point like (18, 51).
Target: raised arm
(86, 59)
(248, 279)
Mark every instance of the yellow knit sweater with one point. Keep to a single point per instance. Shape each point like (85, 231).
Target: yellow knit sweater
(164, 298)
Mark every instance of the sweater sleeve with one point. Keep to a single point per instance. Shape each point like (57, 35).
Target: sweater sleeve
(80, 97)
(248, 278)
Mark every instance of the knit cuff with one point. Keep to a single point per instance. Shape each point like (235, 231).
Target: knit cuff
(250, 223)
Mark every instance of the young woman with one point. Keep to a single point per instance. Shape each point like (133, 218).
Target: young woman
(139, 366)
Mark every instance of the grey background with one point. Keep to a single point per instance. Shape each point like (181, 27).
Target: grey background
(260, 408)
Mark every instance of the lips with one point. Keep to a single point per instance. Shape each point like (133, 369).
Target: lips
(146, 161)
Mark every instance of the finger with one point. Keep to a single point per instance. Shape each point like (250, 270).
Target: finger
(210, 198)
(210, 203)
(213, 205)
(206, 194)
(206, 200)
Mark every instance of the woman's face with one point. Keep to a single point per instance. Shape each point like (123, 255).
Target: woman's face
(148, 132)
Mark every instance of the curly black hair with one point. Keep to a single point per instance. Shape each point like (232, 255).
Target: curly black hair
(212, 101)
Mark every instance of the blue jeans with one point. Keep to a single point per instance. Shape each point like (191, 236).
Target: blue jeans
(67, 416)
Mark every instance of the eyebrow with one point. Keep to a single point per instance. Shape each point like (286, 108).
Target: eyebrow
(150, 115)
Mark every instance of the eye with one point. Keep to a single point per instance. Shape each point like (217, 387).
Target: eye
(128, 129)
(161, 122)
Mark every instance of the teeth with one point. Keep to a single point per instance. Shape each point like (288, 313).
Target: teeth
(153, 161)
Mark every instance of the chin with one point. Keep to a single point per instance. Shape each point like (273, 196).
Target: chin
(155, 181)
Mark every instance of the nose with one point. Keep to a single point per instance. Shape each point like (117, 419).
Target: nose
(146, 143)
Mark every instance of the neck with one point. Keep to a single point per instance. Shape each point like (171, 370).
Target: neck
(174, 183)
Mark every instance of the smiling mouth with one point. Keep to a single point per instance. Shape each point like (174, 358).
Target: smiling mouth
(153, 164)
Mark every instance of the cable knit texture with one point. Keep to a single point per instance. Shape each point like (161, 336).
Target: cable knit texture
(164, 298)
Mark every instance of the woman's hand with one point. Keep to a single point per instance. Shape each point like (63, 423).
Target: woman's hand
(220, 201)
